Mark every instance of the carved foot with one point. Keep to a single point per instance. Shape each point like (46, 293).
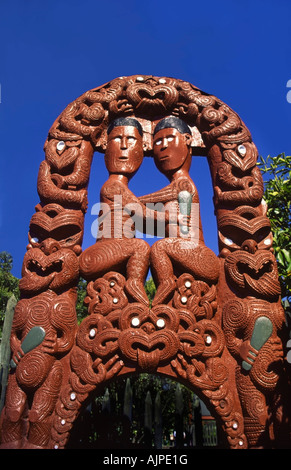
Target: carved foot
(29, 445)
(262, 331)
(164, 290)
(136, 290)
(11, 445)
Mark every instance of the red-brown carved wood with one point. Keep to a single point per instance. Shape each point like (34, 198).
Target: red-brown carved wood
(200, 327)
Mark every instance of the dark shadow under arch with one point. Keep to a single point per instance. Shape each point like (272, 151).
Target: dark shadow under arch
(104, 424)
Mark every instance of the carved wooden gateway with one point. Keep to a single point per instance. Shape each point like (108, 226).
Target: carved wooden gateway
(216, 322)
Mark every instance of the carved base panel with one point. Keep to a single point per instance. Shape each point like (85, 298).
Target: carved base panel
(167, 339)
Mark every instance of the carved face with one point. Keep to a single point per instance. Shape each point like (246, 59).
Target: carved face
(48, 268)
(254, 272)
(124, 153)
(171, 150)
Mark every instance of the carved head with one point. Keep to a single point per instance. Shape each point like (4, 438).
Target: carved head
(171, 146)
(124, 152)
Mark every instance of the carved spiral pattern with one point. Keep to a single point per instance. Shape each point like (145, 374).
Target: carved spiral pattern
(33, 369)
(106, 294)
(263, 372)
(194, 337)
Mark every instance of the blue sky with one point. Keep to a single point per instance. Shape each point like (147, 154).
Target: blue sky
(53, 51)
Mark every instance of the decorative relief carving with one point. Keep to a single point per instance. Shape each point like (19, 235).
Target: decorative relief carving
(254, 272)
(215, 322)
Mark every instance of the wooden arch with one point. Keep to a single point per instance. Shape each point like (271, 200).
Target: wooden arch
(206, 340)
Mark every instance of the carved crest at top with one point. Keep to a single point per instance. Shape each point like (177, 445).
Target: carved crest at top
(146, 97)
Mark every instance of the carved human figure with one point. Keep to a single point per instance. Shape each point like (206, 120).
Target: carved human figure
(116, 248)
(178, 253)
(43, 332)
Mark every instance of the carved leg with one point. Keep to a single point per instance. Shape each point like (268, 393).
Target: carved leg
(255, 411)
(137, 269)
(43, 405)
(162, 270)
(130, 255)
(171, 254)
(13, 420)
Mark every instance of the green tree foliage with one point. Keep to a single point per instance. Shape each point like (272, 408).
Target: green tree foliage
(150, 289)
(8, 283)
(81, 308)
(277, 195)
(103, 423)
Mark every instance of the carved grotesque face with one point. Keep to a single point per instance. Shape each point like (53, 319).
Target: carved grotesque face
(124, 153)
(171, 150)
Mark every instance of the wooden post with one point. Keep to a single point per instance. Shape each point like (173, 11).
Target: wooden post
(179, 417)
(5, 347)
(148, 421)
(158, 422)
(127, 412)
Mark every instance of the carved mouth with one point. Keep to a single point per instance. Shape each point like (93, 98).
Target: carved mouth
(42, 271)
(158, 97)
(144, 94)
(148, 348)
(255, 271)
(154, 99)
(246, 269)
